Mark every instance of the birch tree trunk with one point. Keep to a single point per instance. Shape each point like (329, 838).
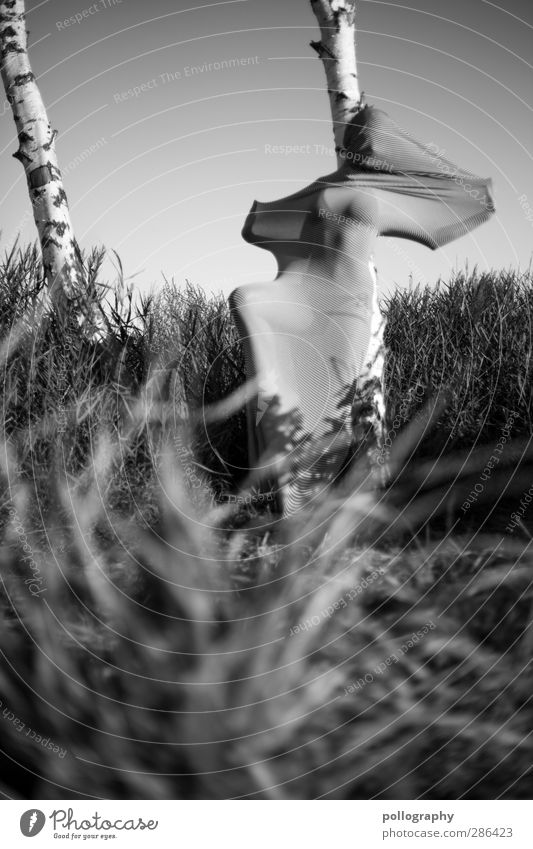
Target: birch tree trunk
(337, 50)
(36, 152)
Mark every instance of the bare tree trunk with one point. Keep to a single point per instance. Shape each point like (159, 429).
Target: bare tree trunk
(36, 152)
(336, 49)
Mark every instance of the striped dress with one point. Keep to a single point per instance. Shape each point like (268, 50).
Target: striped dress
(306, 335)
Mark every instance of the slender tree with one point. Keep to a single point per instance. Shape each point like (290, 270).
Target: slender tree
(337, 50)
(36, 152)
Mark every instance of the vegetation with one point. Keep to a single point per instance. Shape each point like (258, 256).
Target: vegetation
(160, 641)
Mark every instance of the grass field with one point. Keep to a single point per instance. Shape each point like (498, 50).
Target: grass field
(163, 637)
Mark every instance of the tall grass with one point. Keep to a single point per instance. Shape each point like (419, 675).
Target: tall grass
(169, 651)
(471, 336)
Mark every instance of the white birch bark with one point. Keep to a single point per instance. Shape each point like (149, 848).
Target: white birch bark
(37, 154)
(337, 50)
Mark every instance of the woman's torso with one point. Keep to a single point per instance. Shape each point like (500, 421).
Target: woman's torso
(322, 239)
(318, 309)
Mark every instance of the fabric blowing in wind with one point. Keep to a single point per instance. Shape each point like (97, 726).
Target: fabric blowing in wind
(306, 334)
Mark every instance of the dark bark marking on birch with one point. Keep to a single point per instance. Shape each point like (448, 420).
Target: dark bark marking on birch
(11, 47)
(47, 145)
(41, 175)
(60, 198)
(348, 14)
(49, 240)
(58, 226)
(24, 79)
(337, 16)
(322, 50)
(21, 156)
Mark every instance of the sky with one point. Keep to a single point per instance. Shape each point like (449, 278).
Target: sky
(174, 116)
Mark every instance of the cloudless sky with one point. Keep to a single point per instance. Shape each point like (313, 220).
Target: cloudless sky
(166, 174)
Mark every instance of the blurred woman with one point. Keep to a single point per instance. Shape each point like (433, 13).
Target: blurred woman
(306, 335)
